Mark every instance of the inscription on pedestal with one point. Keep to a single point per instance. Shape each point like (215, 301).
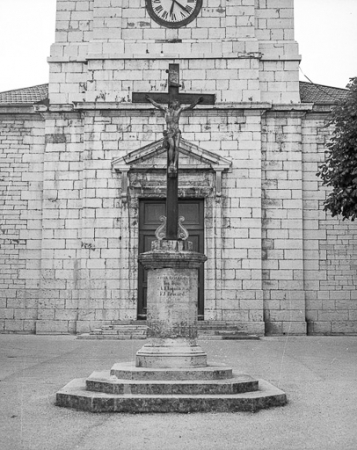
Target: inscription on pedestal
(172, 310)
(172, 306)
(173, 287)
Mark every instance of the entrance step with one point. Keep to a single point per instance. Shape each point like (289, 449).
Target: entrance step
(137, 330)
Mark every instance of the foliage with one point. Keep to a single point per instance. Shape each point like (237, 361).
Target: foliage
(339, 170)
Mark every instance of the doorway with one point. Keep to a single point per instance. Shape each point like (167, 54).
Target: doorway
(149, 213)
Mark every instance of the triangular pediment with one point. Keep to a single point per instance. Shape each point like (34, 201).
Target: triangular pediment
(153, 157)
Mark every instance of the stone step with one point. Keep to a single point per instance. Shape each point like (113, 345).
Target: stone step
(128, 371)
(217, 327)
(121, 328)
(129, 331)
(74, 395)
(103, 382)
(232, 330)
(226, 334)
(124, 337)
(201, 324)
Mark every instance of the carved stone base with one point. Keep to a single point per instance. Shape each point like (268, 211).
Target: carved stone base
(172, 306)
(104, 393)
(171, 355)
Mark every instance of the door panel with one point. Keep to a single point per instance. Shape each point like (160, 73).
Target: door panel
(149, 219)
(191, 213)
(152, 213)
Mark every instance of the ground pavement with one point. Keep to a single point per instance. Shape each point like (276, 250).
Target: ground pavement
(318, 374)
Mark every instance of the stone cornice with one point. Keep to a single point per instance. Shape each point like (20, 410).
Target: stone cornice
(23, 108)
(131, 106)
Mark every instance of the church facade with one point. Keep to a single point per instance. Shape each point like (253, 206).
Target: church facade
(84, 183)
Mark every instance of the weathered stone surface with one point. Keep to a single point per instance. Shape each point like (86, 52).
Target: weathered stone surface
(155, 356)
(168, 258)
(74, 395)
(172, 280)
(129, 371)
(104, 382)
(172, 304)
(169, 245)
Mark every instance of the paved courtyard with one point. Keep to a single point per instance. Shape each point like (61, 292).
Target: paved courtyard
(318, 374)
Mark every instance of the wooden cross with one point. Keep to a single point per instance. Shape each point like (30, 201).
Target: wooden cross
(172, 179)
(174, 91)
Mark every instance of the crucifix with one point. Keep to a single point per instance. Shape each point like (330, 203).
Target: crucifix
(172, 136)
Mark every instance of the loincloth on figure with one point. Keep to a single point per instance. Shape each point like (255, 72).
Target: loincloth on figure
(171, 138)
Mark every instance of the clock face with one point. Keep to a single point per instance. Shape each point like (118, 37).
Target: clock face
(173, 13)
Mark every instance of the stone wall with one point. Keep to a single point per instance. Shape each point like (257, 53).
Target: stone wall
(62, 223)
(21, 165)
(90, 237)
(284, 296)
(330, 245)
(70, 239)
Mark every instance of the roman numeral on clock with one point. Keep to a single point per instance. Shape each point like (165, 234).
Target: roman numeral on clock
(158, 9)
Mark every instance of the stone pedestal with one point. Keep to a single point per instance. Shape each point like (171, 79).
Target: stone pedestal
(172, 306)
(171, 373)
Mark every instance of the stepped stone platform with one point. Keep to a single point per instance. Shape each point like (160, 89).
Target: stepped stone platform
(130, 389)
(171, 372)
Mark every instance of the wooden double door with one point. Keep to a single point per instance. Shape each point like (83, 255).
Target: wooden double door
(149, 219)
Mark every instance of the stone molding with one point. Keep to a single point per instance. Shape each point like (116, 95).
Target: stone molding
(139, 161)
(172, 254)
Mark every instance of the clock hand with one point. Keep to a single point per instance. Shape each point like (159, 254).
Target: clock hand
(181, 6)
(172, 8)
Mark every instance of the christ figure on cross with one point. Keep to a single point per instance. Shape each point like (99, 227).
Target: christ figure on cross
(173, 134)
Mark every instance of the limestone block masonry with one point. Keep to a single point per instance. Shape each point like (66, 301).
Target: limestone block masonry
(240, 50)
(76, 172)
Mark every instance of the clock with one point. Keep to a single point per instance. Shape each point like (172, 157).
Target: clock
(173, 13)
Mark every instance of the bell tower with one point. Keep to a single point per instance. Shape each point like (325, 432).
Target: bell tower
(240, 50)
